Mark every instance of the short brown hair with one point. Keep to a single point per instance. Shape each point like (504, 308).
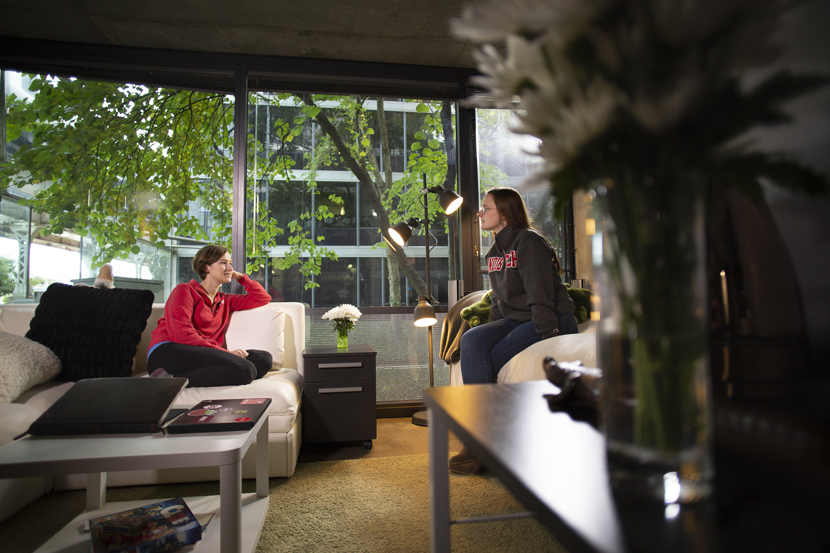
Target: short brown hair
(207, 256)
(511, 206)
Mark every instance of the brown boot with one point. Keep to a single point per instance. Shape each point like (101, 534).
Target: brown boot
(465, 463)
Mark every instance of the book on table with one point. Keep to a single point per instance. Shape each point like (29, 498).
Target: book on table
(220, 415)
(165, 525)
(114, 405)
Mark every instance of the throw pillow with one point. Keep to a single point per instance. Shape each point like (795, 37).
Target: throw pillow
(23, 364)
(479, 312)
(582, 303)
(93, 331)
(262, 328)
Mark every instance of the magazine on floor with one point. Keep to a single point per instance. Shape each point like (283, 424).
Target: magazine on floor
(164, 525)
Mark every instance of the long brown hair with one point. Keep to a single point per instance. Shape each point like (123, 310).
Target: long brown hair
(207, 256)
(511, 206)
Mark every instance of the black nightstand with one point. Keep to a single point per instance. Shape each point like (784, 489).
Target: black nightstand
(339, 400)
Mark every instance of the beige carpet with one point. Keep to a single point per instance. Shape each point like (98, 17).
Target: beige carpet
(363, 505)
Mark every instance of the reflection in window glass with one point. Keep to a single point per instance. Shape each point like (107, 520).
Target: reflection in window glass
(338, 282)
(340, 227)
(503, 160)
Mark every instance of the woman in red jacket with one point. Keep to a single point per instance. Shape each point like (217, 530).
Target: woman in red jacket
(189, 340)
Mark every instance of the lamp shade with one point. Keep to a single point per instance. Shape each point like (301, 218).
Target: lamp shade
(450, 201)
(424, 313)
(400, 233)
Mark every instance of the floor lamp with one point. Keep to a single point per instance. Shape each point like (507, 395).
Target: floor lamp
(424, 311)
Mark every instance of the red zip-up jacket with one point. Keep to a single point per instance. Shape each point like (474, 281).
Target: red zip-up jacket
(191, 318)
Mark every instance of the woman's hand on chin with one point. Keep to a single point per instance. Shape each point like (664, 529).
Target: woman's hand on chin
(235, 275)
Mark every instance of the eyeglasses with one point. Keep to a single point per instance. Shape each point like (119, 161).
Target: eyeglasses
(484, 210)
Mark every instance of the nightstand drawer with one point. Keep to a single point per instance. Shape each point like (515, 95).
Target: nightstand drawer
(339, 411)
(341, 366)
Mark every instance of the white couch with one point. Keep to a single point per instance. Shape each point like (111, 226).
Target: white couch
(277, 327)
(527, 364)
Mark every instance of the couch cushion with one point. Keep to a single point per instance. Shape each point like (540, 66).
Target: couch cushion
(262, 328)
(43, 396)
(527, 364)
(16, 421)
(23, 363)
(15, 319)
(94, 331)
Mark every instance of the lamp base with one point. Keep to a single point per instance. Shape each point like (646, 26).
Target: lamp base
(420, 418)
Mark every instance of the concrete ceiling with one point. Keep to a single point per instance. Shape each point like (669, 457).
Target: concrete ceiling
(388, 31)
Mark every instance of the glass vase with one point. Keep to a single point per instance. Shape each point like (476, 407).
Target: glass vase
(342, 338)
(652, 343)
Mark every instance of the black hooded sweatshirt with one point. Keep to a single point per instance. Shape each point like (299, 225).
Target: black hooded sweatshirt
(525, 283)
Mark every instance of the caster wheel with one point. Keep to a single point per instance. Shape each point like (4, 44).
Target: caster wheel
(367, 444)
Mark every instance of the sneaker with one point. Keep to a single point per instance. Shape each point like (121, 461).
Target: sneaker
(160, 373)
(465, 463)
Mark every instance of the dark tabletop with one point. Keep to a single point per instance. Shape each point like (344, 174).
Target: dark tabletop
(328, 351)
(556, 466)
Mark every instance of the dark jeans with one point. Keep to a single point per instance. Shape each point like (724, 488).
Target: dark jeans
(205, 367)
(486, 348)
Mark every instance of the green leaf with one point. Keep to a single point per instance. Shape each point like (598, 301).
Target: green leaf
(311, 111)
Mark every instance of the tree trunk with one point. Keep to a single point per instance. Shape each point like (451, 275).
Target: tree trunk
(385, 182)
(394, 279)
(373, 195)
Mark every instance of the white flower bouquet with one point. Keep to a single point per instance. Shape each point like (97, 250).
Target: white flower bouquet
(343, 317)
(640, 91)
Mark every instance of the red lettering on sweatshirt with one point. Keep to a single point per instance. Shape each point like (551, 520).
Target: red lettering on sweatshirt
(494, 264)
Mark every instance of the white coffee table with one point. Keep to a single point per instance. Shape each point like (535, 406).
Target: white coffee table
(96, 455)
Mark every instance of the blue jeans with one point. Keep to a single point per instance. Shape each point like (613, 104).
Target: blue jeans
(486, 348)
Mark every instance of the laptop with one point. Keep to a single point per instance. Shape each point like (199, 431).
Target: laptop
(220, 415)
(110, 406)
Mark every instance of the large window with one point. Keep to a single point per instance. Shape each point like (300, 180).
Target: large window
(327, 173)
(505, 159)
(138, 166)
